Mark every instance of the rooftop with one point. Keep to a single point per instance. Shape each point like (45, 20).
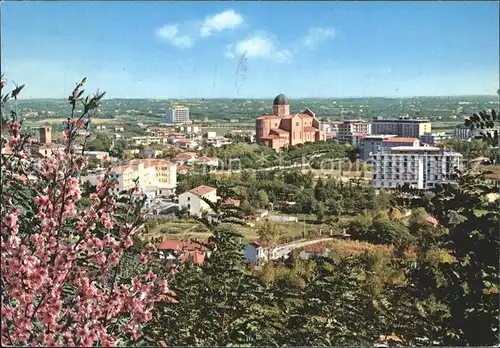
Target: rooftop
(280, 99)
(202, 190)
(399, 140)
(380, 136)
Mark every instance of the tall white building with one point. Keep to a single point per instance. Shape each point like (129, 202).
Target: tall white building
(177, 114)
(421, 167)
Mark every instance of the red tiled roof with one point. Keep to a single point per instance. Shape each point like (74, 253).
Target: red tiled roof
(175, 244)
(120, 169)
(157, 162)
(432, 220)
(204, 159)
(184, 169)
(280, 132)
(268, 117)
(230, 201)
(310, 129)
(399, 140)
(197, 256)
(191, 251)
(185, 156)
(271, 136)
(202, 190)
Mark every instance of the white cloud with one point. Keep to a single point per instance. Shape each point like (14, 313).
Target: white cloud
(228, 19)
(170, 33)
(317, 35)
(258, 46)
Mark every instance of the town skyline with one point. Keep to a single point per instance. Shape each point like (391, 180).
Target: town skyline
(250, 50)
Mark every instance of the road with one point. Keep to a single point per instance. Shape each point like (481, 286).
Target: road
(285, 249)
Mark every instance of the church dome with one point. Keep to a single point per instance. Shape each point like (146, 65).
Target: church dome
(281, 99)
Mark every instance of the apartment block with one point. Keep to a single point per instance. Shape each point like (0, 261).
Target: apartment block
(371, 144)
(434, 138)
(348, 129)
(420, 167)
(177, 114)
(402, 127)
(465, 133)
(157, 177)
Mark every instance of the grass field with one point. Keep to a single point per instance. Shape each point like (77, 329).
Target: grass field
(445, 126)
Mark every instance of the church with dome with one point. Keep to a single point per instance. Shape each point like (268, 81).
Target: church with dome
(282, 129)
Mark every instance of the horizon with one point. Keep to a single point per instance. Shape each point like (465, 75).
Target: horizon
(240, 50)
(271, 98)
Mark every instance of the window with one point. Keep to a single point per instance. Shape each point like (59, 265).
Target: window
(189, 199)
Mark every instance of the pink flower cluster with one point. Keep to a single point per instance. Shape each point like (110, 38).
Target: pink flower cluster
(61, 264)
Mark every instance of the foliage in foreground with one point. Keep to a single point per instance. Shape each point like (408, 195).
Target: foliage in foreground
(65, 267)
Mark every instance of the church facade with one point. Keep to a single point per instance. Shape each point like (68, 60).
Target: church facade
(282, 129)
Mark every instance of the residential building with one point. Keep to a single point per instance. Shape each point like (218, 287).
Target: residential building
(258, 252)
(157, 177)
(161, 131)
(281, 129)
(185, 158)
(177, 114)
(347, 129)
(434, 138)
(371, 144)
(184, 250)
(231, 203)
(420, 167)
(193, 200)
(150, 153)
(186, 143)
(211, 135)
(206, 161)
(218, 141)
(99, 155)
(464, 133)
(357, 138)
(147, 140)
(399, 141)
(402, 127)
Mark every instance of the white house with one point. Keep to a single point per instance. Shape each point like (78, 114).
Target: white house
(257, 252)
(192, 200)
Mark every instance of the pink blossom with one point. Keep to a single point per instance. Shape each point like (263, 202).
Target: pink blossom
(42, 200)
(56, 245)
(143, 259)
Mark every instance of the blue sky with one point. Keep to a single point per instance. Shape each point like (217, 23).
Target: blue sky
(302, 49)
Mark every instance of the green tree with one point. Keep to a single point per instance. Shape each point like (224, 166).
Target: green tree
(263, 199)
(101, 142)
(319, 209)
(268, 232)
(218, 303)
(468, 286)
